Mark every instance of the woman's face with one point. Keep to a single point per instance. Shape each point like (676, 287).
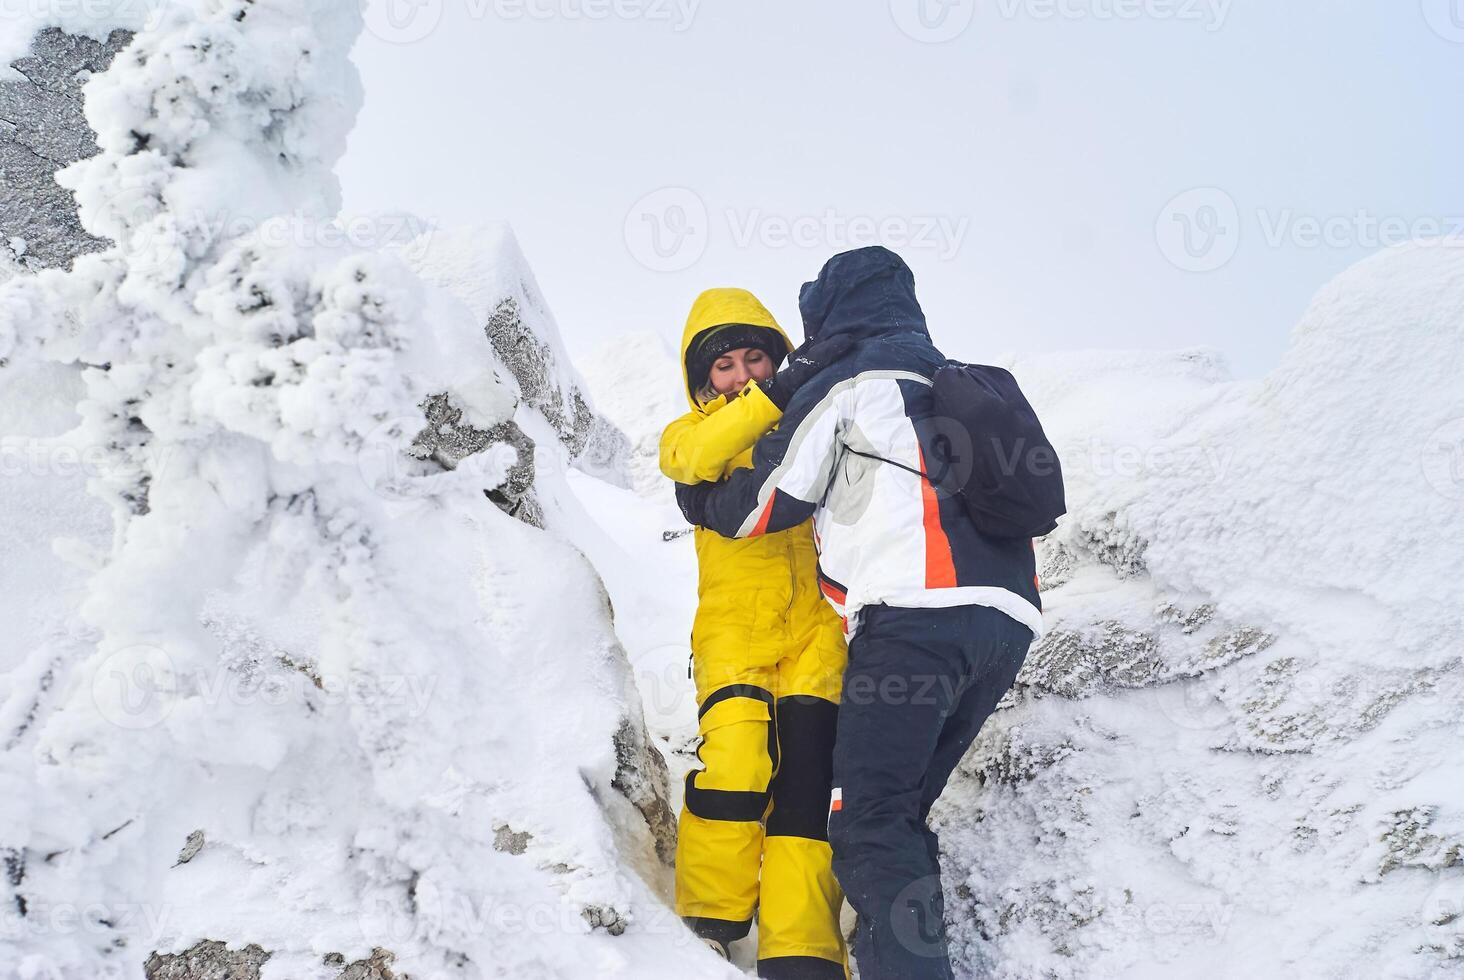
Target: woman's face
(733, 370)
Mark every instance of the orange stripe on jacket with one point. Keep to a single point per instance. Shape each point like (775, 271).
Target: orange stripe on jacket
(842, 598)
(940, 568)
(767, 515)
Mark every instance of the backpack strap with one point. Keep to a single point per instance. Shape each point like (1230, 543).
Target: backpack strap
(907, 469)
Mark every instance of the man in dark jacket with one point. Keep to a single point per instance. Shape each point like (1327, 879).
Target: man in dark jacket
(940, 617)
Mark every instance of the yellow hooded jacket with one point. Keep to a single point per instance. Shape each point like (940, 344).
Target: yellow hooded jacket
(759, 598)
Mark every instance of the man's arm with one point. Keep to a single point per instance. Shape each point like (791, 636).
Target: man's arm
(791, 470)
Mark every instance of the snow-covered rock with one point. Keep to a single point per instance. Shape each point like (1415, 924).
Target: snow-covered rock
(485, 272)
(636, 381)
(1235, 753)
(484, 268)
(311, 706)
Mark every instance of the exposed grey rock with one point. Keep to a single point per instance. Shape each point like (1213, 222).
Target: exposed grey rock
(592, 442)
(604, 917)
(1016, 757)
(1287, 710)
(375, 967)
(208, 960)
(213, 960)
(590, 438)
(640, 775)
(1114, 544)
(1078, 664)
(191, 847)
(635, 380)
(509, 841)
(1241, 642)
(1053, 911)
(448, 440)
(12, 863)
(1081, 661)
(484, 268)
(1055, 564)
(1410, 842)
(1188, 622)
(606, 448)
(1271, 715)
(42, 130)
(531, 361)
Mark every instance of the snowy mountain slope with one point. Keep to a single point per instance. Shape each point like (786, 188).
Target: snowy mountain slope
(1235, 753)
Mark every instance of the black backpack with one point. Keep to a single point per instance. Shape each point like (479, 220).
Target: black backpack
(985, 445)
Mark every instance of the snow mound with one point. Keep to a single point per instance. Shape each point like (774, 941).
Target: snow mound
(1235, 752)
(310, 703)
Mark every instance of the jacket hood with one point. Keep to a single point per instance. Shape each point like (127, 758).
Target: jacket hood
(720, 308)
(868, 292)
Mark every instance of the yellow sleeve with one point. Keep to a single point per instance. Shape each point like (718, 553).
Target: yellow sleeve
(696, 448)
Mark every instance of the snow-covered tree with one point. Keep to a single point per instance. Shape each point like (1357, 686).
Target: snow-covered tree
(312, 699)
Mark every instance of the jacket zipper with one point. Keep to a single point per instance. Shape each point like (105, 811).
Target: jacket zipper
(792, 580)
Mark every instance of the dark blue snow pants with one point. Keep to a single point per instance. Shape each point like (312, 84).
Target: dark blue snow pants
(919, 685)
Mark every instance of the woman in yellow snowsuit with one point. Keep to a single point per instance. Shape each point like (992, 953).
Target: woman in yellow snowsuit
(768, 654)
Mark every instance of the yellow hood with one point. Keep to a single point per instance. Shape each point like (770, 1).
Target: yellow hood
(718, 307)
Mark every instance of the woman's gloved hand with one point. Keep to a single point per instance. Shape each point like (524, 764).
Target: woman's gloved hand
(803, 364)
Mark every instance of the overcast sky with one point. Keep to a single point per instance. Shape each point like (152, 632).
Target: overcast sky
(1060, 173)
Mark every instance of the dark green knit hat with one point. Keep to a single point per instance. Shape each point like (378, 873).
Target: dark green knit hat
(713, 342)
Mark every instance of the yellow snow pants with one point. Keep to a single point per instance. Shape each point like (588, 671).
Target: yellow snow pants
(768, 664)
